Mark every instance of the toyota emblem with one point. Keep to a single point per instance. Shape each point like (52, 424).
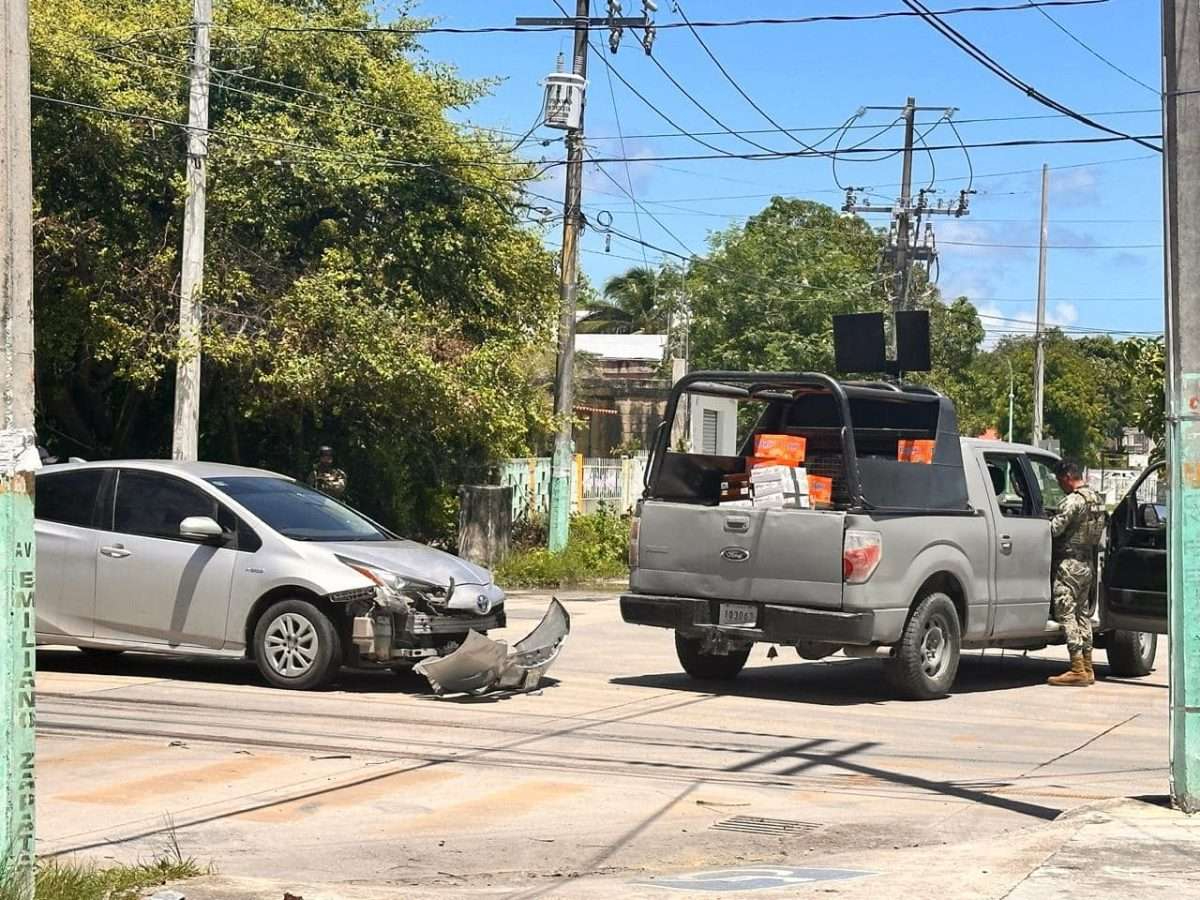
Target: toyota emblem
(483, 603)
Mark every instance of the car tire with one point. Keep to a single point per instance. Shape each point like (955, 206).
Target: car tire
(296, 646)
(925, 663)
(708, 666)
(1131, 653)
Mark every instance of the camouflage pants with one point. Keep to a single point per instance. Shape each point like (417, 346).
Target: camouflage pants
(1072, 582)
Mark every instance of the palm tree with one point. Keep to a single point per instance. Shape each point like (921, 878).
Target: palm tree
(631, 304)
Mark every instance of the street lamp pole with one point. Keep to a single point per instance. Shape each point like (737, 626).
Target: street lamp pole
(1010, 398)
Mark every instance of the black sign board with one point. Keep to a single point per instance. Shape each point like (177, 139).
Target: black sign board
(858, 343)
(912, 341)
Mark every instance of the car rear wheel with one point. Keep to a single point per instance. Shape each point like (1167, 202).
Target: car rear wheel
(708, 666)
(1131, 653)
(296, 646)
(926, 658)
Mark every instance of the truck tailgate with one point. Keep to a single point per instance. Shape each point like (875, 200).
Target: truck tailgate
(782, 556)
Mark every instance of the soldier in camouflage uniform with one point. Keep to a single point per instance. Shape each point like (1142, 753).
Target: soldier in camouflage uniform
(1076, 531)
(327, 478)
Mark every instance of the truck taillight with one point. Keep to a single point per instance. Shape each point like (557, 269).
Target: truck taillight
(635, 527)
(861, 553)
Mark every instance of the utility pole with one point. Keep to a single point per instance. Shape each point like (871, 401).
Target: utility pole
(18, 456)
(900, 299)
(185, 442)
(907, 242)
(1039, 365)
(1181, 183)
(560, 100)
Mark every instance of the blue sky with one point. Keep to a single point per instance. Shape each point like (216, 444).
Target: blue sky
(1105, 265)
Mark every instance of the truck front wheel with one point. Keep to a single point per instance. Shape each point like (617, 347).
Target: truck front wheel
(708, 666)
(926, 657)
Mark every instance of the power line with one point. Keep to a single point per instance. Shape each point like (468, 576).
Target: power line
(834, 129)
(890, 151)
(1054, 246)
(1108, 62)
(725, 72)
(732, 23)
(963, 43)
(637, 217)
(652, 216)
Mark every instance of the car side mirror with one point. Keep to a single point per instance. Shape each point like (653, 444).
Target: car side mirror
(200, 528)
(1150, 517)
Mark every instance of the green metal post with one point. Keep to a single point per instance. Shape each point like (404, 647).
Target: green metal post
(18, 456)
(1181, 181)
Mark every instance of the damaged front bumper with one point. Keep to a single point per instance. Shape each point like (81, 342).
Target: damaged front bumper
(481, 664)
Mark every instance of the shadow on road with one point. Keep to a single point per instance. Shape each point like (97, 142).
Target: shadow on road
(218, 671)
(852, 682)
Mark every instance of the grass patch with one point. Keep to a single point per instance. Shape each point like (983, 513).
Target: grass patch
(597, 550)
(64, 880)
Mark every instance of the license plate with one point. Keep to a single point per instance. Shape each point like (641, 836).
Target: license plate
(743, 614)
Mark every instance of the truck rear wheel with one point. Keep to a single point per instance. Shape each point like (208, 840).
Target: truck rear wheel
(708, 666)
(926, 658)
(1131, 653)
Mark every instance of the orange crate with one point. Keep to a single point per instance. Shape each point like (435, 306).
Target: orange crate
(820, 490)
(915, 451)
(786, 449)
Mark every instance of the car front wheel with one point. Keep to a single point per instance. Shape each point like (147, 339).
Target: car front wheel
(296, 646)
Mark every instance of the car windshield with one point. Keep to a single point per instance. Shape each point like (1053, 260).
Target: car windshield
(299, 512)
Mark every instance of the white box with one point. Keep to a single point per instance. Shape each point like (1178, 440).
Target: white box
(737, 504)
(769, 501)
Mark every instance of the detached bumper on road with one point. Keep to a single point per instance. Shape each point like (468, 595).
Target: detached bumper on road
(776, 624)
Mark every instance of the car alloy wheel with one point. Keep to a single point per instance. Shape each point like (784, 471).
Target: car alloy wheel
(291, 645)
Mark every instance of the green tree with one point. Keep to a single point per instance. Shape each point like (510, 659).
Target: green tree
(764, 296)
(631, 304)
(368, 281)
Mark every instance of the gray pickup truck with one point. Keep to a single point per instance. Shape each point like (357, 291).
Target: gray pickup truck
(910, 561)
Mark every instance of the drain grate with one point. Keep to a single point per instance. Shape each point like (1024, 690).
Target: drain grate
(758, 825)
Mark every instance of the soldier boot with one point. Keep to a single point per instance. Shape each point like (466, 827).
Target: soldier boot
(1087, 666)
(1076, 676)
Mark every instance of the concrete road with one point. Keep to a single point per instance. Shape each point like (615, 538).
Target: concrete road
(620, 771)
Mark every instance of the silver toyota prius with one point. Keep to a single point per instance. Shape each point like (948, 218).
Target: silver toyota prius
(207, 559)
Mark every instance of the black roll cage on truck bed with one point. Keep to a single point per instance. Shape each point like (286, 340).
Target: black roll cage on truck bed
(873, 479)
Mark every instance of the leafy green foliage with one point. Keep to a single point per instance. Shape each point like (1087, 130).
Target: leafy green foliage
(63, 880)
(368, 282)
(634, 302)
(596, 551)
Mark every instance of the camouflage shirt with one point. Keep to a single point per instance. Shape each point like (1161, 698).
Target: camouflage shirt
(328, 480)
(1078, 526)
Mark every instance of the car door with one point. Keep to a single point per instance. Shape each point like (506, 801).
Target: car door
(66, 509)
(1020, 548)
(152, 585)
(1134, 582)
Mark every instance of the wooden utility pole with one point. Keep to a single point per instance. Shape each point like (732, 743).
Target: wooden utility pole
(185, 442)
(1181, 182)
(18, 456)
(1039, 365)
(564, 382)
(903, 221)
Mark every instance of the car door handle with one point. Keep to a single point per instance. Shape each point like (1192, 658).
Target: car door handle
(116, 551)
(737, 524)
(1006, 543)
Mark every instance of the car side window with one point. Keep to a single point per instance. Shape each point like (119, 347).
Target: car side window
(1009, 485)
(68, 497)
(1150, 501)
(1043, 472)
(153, 504)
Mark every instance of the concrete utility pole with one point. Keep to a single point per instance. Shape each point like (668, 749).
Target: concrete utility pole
(1039, 365)
(564, 382)
(185, 442)
(1181, 180)
(18, 455)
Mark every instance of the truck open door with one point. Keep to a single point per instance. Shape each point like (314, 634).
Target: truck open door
(1133, 586)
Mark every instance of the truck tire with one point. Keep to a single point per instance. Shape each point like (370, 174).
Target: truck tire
(926, 657)
(708, 666)
(1131, 653)
(296, 646)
